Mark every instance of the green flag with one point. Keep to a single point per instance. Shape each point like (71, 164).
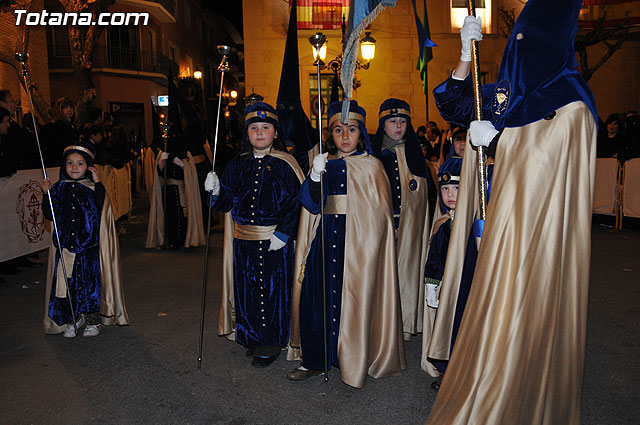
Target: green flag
(427, 53)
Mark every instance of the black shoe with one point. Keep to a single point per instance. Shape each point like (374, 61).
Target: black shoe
(436, 385)
(261, 362)
(298, 374)
(250, 351)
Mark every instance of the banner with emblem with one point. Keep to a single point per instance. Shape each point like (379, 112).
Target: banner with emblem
(21, 219)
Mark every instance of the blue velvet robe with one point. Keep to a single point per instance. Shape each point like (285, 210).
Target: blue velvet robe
(312, 341)
(78, 209)
(434, 269)
(262, 192)
(390, 161)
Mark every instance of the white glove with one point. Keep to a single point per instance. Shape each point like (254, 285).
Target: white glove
(164, 155)
(482, 133)
(433, 295)
(319, 166)
(212, 184)
(275, 243)
(178, 162)
(471, 30)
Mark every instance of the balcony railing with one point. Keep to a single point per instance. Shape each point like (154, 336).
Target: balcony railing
(117, 58)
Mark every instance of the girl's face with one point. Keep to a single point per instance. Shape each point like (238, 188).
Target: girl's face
(68, 112)
(449, 194)
(612, 127)
(75, 166)
(346, 136)
(395, 127)
(261, 134)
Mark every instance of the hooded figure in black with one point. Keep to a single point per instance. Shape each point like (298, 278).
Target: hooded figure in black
(77, 198)
(519, 353)
(259, 192)
(397, 146)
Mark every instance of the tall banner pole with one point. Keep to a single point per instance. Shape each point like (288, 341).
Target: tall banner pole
(166, 125)
(22, 58)
(477, 93)
(224, 67)
(317, 41)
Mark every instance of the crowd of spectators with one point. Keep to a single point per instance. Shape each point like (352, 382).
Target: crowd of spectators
(18, 145)
(619, 137)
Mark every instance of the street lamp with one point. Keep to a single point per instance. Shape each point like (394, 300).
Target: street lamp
(322, 54)
(368, 46)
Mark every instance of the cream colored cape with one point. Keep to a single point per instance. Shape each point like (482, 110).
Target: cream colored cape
(195, 233)
(519, 354)
(227, 323)
(413, 236)
(149, 171)
(429, 316)
(112, 306)
(370, 340)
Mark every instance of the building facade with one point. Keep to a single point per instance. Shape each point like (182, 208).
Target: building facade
(393, 73)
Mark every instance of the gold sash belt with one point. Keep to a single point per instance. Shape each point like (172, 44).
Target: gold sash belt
(336, 204)
(249, 232)
(175, 182)
(198, 158)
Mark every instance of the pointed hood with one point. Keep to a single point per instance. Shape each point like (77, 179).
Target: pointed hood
(538, 71)
(298, 134)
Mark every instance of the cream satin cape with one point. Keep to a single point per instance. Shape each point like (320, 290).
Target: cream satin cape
(370, 340)
(195, 233)
(413, 236)
(227, 323)
(429, 316)
(519, 354)
(112, 307)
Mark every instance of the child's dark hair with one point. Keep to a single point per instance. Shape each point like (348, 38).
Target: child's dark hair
(89, 130)
(333, 149)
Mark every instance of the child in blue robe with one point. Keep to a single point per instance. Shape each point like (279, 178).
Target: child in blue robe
(364, 327)
(77, 199)
(259, 188)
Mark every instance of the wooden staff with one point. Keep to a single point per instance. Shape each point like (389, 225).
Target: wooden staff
(477, 94)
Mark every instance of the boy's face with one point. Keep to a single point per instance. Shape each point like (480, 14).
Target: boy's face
(261, 134)
(395, 127)
(75, 166)
(449, 195)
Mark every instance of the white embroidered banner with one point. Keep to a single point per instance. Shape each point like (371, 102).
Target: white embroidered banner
(21, 219)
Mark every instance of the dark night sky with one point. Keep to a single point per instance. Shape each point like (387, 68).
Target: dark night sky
(230, 9)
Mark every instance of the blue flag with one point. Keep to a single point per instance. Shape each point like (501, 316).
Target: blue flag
(361, 14)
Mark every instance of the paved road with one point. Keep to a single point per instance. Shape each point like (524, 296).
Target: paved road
(146, 373)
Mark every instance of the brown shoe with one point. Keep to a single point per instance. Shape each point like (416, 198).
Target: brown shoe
(298, 374)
